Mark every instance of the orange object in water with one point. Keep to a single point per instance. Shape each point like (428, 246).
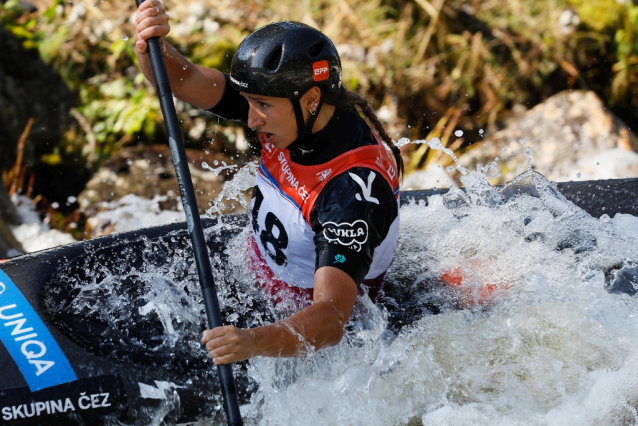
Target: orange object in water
(470, 295)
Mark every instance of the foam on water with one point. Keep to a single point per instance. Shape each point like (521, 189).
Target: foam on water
(546, 345)
(538, 329)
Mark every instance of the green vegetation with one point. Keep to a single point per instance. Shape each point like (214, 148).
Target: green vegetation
(442, 64)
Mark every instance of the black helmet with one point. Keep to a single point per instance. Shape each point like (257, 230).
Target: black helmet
(285, 60)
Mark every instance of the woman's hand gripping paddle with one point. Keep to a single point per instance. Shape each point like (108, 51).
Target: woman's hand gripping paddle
(204, 270)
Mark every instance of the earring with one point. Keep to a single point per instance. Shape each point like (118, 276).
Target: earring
(313, 111)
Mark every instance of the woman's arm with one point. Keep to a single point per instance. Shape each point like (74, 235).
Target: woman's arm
(317, 326)
(199, 86)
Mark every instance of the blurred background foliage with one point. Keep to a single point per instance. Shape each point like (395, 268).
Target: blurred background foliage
(429, 66)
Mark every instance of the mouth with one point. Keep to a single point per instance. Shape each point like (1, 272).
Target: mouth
(267, 137)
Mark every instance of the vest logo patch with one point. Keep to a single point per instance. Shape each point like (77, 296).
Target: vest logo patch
(386, 165)
(366, 190)
(323, 175)
(351, 235)
(269, 150)
(339, 259)
(320, 70)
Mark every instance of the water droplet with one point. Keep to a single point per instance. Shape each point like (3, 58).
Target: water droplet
(578, 175)
(458, 133)
(504, 149)
(521, 141)
(481, 131)
(449, 169)
(497, 158)
(185, 66)
(125, 38)
(528, 155)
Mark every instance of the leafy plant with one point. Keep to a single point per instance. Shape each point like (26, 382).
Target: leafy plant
(440, 64)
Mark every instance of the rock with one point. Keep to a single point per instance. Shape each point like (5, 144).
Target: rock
(564, 133)
(611, 164)
(433, 177)
(9, 246)
(8, 213)
(148, 172)
(29, 88)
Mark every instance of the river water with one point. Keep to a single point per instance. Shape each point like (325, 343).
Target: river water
(536, 329)
(535, 325)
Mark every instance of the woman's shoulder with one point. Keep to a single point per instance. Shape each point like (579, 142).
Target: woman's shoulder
(358, 186)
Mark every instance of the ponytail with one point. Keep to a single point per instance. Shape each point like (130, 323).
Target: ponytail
(349, 101)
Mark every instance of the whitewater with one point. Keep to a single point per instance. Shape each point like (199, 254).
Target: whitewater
(538, 329)
(548, 344)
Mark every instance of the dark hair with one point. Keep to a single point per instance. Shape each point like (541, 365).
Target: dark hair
(349, 101)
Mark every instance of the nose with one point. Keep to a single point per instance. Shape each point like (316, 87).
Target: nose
(255, 118)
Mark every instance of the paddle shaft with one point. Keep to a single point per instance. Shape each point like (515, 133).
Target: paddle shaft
(193, 221)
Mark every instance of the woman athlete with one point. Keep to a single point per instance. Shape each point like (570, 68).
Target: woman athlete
(325, 213)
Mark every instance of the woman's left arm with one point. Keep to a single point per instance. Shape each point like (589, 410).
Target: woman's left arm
(315, 327)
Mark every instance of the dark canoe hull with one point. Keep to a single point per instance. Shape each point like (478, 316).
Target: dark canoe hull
(112, 383)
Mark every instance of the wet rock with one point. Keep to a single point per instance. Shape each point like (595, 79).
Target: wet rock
(8, 213)
(433, 177)
(565, 132)
(9, 246)
(29, 89)
(148, 172)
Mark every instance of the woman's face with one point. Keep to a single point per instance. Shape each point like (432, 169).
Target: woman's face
(274, 117)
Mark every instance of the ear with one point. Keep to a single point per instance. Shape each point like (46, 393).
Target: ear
(310, 99)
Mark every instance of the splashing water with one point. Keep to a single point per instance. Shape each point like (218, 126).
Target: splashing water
(550, 342)
(516, 308)
(234, 189)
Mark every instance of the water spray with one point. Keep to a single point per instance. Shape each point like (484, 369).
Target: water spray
(193, 221)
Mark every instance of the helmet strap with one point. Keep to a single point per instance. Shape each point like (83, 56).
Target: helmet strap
(304, 130)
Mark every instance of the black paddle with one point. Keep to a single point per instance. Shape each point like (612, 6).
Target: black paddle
(193, 221)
